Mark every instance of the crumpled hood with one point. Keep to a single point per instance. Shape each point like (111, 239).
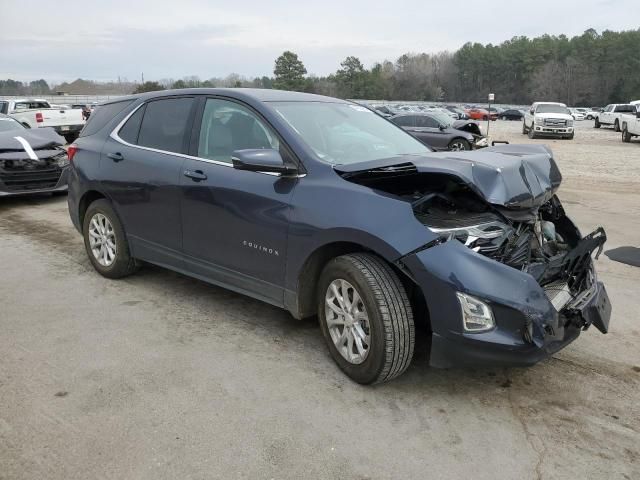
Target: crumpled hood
(512, 176)
(38, 138)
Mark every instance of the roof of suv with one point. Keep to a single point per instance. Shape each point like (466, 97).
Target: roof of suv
(260, 94)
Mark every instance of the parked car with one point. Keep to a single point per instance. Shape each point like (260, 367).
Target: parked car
(460, 113)
(592, 113)
(511, 114)
(37, 113)
(31, 161)
(611, 115)
(322, 207)
(548, 119)
(577, 114)
(631, 124)
(383, 110)
(440, 132)
(481, 114)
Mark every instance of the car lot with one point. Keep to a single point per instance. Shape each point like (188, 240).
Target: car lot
(162, 376)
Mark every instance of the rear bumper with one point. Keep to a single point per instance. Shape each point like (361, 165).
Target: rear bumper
(68, 129)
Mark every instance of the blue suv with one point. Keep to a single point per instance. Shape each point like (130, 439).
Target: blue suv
(322, 207)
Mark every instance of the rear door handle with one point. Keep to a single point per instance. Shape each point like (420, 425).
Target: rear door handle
(195, 175)
(116, 157)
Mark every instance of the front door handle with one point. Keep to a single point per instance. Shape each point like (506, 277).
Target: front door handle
(195, 175)
(116, 156)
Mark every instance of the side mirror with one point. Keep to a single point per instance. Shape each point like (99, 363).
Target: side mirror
(441, 127)
(260, 160)
(531, 111)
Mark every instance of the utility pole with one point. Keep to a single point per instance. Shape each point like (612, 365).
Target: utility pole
(143, 78)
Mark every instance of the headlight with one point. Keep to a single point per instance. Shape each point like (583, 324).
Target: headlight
(476, 315)
(61, 160)
(570, 123)
(538, 121)
(485, 237)
(482, 142)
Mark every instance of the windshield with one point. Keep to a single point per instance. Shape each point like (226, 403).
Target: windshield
(442, 118)
(341, 133)
(552, 109)
(9, 125)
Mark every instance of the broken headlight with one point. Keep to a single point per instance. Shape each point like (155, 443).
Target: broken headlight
(61, 160)
(484, 238)
(476, 315)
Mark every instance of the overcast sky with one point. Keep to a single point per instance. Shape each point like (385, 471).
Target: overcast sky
(104, 39)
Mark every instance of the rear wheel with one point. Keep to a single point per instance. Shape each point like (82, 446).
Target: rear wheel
(459, 144)
(616, 126)
(366, 318)
(504, 117)
(105, 241)
(485, 118)
(626, 136)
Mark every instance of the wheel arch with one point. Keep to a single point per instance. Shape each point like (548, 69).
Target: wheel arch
(87, 199)
(304, 303)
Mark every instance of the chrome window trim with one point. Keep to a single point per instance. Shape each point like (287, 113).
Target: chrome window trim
(114, 135)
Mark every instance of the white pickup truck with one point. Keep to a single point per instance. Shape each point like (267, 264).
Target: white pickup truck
(631, 123)
(548, 119)
(611, 115)
(37, 113)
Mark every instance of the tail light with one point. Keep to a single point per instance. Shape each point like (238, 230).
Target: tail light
(39, 118)
(71, 151)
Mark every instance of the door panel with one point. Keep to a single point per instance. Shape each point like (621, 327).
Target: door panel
(144, 183)
(235, 222)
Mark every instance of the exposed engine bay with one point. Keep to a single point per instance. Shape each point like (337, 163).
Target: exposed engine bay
(539, 240)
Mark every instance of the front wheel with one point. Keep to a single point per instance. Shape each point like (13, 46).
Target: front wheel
(459, 144)
(105, 241)
(626, 136)
(616, 126)
(366, 318)
(597, 123)
(524, 128)
(531, 132)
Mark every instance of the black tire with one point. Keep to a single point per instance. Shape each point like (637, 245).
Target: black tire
(570, 137)
(458, 144)
(504, 118)
(532, 133)
(123, 263)
(597, 123)
(616, 126)
(626, 136)
(485, 118)
(391, 326)
(524, 128)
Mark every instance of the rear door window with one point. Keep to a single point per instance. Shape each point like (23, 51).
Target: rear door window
(406, 121)
(102, 115)
(426, 122)
(165, 123)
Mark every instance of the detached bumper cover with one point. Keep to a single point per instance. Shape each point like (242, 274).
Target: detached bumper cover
(528, 327)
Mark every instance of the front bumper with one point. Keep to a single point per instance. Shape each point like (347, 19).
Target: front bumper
(35, 181)
(553, 131)
(528, 327)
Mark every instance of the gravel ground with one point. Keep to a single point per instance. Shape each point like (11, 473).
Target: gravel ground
(159, 376)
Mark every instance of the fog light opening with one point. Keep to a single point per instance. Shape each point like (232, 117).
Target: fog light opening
(476, 314)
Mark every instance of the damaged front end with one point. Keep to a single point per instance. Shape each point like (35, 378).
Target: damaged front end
(504, 242)
(469, 126)
(32, 161)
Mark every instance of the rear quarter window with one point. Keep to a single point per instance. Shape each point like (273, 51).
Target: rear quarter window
(102, 115)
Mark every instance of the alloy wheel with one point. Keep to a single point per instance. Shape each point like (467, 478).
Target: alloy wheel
(102, 240)
(457, 146)
(347, 321)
